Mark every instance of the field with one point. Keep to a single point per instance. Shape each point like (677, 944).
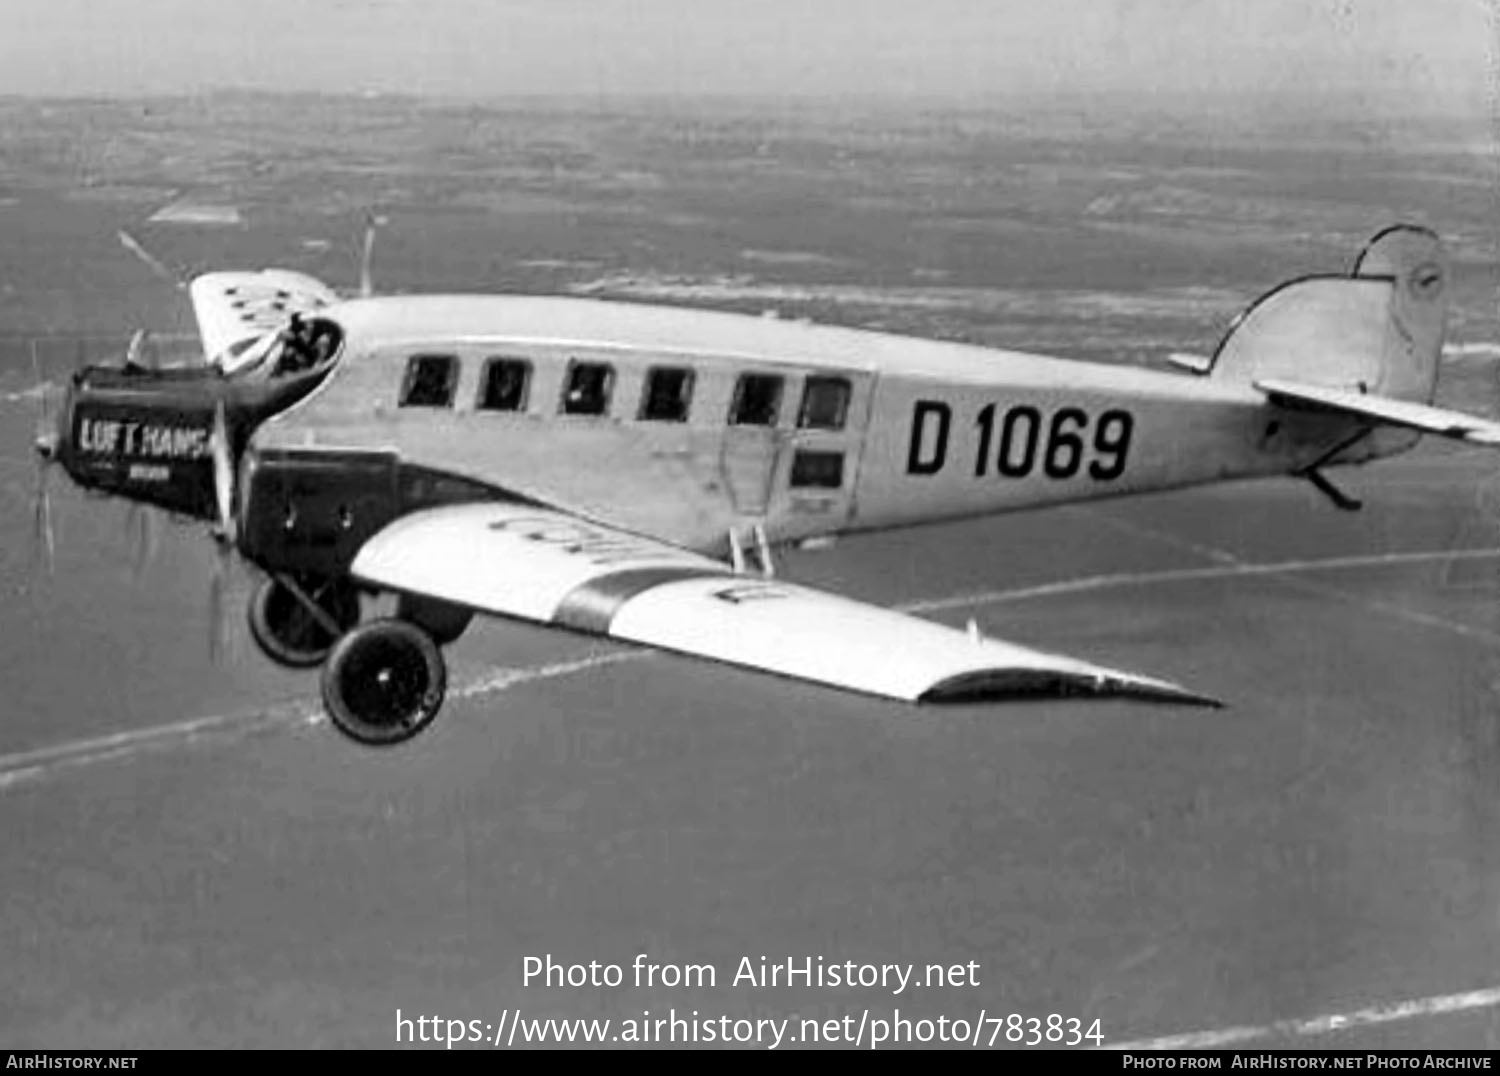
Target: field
(193, 858)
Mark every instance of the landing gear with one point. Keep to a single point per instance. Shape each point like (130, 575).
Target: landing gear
(297, 620)
(384, 682)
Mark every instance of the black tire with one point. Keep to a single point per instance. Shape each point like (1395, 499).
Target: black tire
(441, 620)
(288, 633)
(384, 682)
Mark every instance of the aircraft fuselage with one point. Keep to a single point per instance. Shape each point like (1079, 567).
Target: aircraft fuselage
(683, 424)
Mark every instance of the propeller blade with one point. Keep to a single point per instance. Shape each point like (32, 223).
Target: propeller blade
(217, 635)
(137, 354)
(223, 463)
(44, 429)
(155, 266)
(366, 283)
(223, 474)
(43, 542)
(141, 524)
(228, 573)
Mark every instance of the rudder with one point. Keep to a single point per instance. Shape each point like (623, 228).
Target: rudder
(1378, 329)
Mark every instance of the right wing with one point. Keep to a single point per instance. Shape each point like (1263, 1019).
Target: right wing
(551, 568)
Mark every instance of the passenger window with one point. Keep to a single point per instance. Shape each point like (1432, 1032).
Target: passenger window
(757, 399)
(430, 380)
(817, 470)
(669, 391)
(588, 388)
(825, 404)
(504, 385)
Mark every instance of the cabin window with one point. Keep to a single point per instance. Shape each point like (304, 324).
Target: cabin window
(430, 381)
(757, 399)
(668, 392)
(504, 385)
(825, 404)
(817, 470)
(588, 387)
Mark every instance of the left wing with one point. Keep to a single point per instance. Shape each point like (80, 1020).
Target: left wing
(552, 568)
(1415, 416)
(240, 313)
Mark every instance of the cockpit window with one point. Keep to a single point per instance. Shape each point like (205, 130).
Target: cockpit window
(430, 380)
(306, 343)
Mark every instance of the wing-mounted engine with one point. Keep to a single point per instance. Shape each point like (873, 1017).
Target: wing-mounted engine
(309, 511)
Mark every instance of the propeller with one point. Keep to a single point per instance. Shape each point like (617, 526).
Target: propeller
(43, 541)
(221, 452)
(366, 284)
(131, 244)
(219, 636)
(136, 352)
(140, 524)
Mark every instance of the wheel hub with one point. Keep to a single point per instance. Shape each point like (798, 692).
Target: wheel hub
(384, 682)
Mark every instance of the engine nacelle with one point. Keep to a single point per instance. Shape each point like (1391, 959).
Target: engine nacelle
(307, 511)
(147, 434)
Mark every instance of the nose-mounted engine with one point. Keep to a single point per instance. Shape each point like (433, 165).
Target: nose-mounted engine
(150, 435)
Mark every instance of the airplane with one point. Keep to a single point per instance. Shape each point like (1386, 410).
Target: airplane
(628, 470)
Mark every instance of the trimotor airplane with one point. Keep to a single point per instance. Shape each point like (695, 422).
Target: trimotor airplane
(625, 470)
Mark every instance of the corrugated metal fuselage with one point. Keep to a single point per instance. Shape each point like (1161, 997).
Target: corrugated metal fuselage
(931, 430)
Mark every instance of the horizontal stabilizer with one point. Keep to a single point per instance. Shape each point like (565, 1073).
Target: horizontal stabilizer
(550, 568)
(1414, 416)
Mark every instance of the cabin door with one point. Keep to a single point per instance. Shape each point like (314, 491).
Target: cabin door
(813, 488)
(748, 466)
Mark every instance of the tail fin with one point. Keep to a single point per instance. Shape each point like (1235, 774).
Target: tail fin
(1377, 330)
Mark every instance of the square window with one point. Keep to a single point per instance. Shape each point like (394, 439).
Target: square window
(430, 380)
(588, 387)
(757, 399)
(825, 404)
(817, 470)
(668, 392)
(505, 384)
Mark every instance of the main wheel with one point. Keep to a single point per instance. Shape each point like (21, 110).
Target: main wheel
(286, 629)
(384, 682)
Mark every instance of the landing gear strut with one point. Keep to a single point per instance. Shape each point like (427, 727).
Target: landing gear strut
(384, 682)
(297, 620)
